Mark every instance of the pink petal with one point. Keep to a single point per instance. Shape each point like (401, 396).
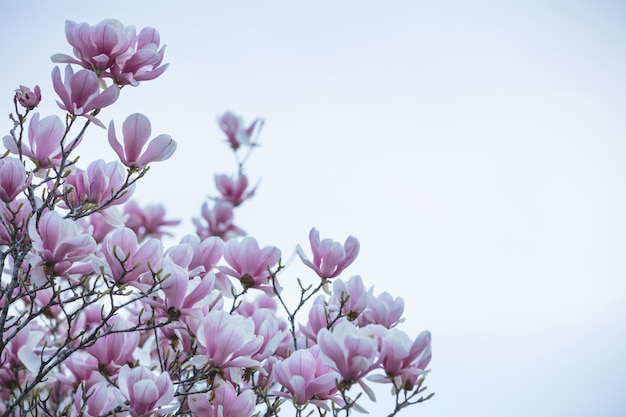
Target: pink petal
(60, 89)
(159, 149)
(104, 99)
(136, 130)
(64, 59)
(115, 144)
(83, 85)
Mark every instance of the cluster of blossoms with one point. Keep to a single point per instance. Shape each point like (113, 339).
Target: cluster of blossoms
(97, 318)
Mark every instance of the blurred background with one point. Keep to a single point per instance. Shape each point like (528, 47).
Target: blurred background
(476, 149)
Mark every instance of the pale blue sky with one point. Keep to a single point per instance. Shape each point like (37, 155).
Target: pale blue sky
(476, 149)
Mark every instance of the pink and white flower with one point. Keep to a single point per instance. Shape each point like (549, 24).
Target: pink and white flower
(219, 221)
(116, 349)
(100, 183)
(223, 401)
(351, 351)
(142, 62)
(113, 50)
(307, 379)
(27, 98)
(59, 245)
(273, 331)
(44, 141)
(227, 344)
(22, 351)
(236, 133)
(101, 399)
(318, 319)
(383, 309)
(330, 258)
(136, 132)
(15, 215)
(402, 360)
(350, 298)
(13, 178)
(181, 296)
(80, 92)
(148, 220)
(128, 262)
(146, 392)
(97, 47)
(233, 190)
(249, 263)
(206, 253)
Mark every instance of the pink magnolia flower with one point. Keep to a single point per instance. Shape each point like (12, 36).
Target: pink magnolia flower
(101, 399)
(13, 178)
(330, 258)
(236, 132)
(96, 185)
(383, 309)
(111, 49)
(27, 98)
(180, 255)
(219, 221)
(349, 298)
(233, 190)
(272, 329)
(351, 351)
(402, 360)
(318, 319)
(205, 254)
(261, 301)
(136, 130)
(127, 261)
(307, 379)
(80, 92)
(15, 217)
(223, 401)
(249, 263)
(44, 141)
(181, 296)
(97, 47)
(147, 220)
(277, 341)
(173, 340)
(227, 343)
(22, 351)
(146, 393)
(141, 63)
(58, 244)
(79, 367)
(116, 349)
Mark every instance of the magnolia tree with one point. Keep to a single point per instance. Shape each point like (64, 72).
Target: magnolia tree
(97, 318)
